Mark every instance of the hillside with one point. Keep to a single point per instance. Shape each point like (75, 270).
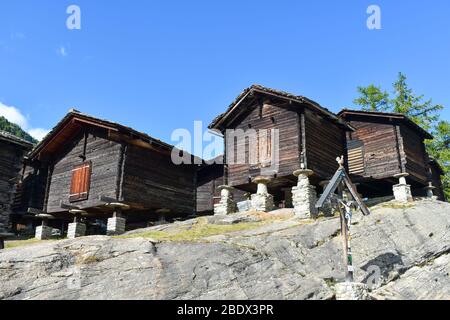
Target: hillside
(244, 256)
(14, 129)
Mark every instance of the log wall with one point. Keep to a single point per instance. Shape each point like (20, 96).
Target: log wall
(381, 153)
(325, 141)
(11, 157)
(151, 181)
(271, 117)
(104, 155)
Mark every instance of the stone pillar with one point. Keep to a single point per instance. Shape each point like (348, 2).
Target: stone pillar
(44, 232)
(288, 197)
(304, 195)
(262, 200)
(226, 205)
(429, 190)
(402, 191)
(352, 291)
(116, 226)
(76, 229)
(327, 209)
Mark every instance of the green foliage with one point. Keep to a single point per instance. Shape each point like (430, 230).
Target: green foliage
(439, 149)
(372, 98)
(420, 110)
(14, 129)
(424, 113)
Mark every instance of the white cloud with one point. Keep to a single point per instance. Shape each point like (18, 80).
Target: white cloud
(38, 133)
(13, 114)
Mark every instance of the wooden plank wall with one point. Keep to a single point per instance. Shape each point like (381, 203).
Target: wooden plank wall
(152, 181)
(325, 141)
(287, 123)
(11, 157)
(104, 155)
(381, 155)
(208, 179)
(416, 156)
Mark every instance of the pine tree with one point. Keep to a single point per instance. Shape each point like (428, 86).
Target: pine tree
(372, 98)
(424, 113)
(14, 129)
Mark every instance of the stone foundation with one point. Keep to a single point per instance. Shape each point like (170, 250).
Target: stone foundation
(304, 196)
(226, 205)
(352, 291)
(43, 232)
(402, 193)
(262, 200)
(116, 226)
(76, 230)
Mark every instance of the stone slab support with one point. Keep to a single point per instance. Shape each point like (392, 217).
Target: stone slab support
(304, 195)
(76, 230)
(116, 226)
(226, 205)
(430, 191)
(43, 232)
(402, 190)
(262, 200)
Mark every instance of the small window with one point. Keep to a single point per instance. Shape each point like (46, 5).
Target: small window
(81, 180)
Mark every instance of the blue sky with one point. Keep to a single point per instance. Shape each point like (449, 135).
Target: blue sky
(160, 65)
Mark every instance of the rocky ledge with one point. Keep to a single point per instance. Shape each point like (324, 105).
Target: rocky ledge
(400, 251)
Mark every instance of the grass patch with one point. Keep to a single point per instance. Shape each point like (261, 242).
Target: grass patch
(199, 230)
(22, 243)
(395, 205)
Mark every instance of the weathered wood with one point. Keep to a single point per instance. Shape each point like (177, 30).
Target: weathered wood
(12, 153)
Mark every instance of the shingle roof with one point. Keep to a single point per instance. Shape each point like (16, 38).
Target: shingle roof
(6, 136)
(280, 94)
(96, 121)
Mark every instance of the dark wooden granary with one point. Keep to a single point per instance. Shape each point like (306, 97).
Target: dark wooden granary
(12, 152)
(308, 134)
(85, 160)
(384, 145)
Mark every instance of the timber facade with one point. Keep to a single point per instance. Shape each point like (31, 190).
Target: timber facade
(85, 160)
(12, 153)
(309, 136)
(384, 145)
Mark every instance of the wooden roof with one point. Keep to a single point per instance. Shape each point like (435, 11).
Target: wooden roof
(10, 138)
(386, 115)
(73, 122)
(286, 96)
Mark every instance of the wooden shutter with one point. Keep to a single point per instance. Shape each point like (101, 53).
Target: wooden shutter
(81, 181)
(356, 157)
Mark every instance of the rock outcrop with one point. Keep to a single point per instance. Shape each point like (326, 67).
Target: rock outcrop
(401, 251)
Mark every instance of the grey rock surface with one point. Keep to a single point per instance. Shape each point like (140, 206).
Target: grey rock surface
(400, 252)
